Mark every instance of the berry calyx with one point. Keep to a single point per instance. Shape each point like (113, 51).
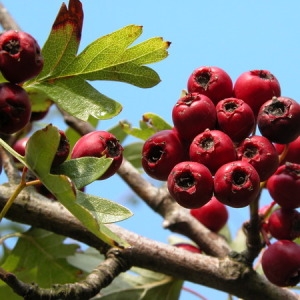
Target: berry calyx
(235, 118)
(213, 148)
(279, 120)
(236, 184)
(161, 152)
(261, 154)
(20, 56)
(15, 108)
(211, 81)
(190, 184)
(100, 143)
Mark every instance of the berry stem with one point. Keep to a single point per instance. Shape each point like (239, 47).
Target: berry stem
(15, 194)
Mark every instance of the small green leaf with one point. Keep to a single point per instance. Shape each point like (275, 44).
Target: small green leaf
(79, 98)
(83, 171)
(105, 211)
(149, 125)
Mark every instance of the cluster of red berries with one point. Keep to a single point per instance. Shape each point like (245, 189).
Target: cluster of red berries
(213, 153)
(20, 60)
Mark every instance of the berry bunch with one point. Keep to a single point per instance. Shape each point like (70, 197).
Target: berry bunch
(213, 157)
(20, 60)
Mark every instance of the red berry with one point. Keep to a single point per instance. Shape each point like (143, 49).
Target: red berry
(192, 114)
(20, 56)
(279, 120)
(236, 184)
(281, 263)
(261, 154)
(190, 184)
(284, 185)
(15, 108)
(284, 224)
(20, 145)
(100, 144)
(213, 148)
(188, 247)
(293, 151)
(235, 118)
(38, 115)
(256, 87)
(211, 81)
(161, 152)
(213, 214)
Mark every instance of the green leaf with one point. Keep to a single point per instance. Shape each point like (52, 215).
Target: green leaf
(105, 211)
(79, 98)
(82, 171)
(62, 44)
(149, 125)
(133, 153)
(40, 256)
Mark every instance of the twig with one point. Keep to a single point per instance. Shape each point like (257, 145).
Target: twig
(6, 20)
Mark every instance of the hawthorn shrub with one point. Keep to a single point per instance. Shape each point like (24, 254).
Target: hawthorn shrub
(228, 142)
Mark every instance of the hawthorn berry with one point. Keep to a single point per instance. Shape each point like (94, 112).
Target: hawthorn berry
(100, 143)
(20, 145)
(281, 263)
(284, 224)
(15, 108)
(279, 120)
(284, 185)
(235, 118)
(211, 81)
(188, 247)
(192, 114)
(20, 56)
(190, 184)
(213, 148)
(292, 151)
(236, 184)
(256, 87)
(62, 151)
(261, 154)
(213, 214)
(161, 152)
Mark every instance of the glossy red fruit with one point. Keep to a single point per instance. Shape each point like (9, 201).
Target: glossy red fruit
(188, 247)
(20, 56)
(213, 148)
(281, 263)
(284, 224)
(15, 108)
(192, 114)
(100, 143)
(279, 120)
(256, 87)
(20, 145)
(236, 184)
(213, 214)
(161, 152)
(211, 81)
(284, 185)
(235, 118)
(261, 154)
(293, 151)
(190, 184)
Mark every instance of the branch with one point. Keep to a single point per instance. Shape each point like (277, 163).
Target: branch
(224, 274)
(101, 277)
(6, 20)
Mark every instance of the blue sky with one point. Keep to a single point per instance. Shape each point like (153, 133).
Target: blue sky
(235, 35)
